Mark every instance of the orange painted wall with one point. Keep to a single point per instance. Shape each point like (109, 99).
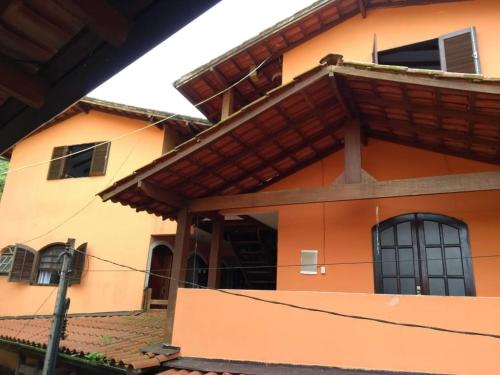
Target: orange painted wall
(250, 330)
(400, 26)
(31, 206)
(341, 231)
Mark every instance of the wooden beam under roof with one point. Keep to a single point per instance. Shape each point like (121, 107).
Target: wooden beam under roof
(362, 7)
(27, 88)
(101, 17)
(352, 151)
(457, 183)
(161, 195)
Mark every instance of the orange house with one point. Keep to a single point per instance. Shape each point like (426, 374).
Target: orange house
(48, 203)
(354, 169)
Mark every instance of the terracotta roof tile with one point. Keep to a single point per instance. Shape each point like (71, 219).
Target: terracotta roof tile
(117, 337)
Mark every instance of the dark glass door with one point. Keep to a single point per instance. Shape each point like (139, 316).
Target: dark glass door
(422, 254)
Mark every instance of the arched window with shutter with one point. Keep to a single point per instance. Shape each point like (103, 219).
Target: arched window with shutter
(23, 262)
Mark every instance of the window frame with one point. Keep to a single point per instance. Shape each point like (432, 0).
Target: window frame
(38, 261)
(58, 167)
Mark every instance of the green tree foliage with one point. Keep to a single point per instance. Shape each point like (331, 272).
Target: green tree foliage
(4, 164)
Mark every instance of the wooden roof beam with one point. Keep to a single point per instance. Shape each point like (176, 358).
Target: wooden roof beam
(101, 17)
(27, 88)
(161, 195)
(362, 8)
(457, 183)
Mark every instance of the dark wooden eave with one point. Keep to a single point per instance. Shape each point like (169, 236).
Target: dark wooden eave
(269, 46)
(54, 52)
(303, 121)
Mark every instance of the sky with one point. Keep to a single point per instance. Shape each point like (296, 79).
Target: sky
(148, 81)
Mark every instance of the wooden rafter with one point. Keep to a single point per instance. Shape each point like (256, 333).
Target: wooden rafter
(101, 17)
(27, 88)
(161, 195)
(458, 183)
(362, 8)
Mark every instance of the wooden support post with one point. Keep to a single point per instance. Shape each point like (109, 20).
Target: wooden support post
(215, 251)
(227, 104)
(352, 152)
(182, 240)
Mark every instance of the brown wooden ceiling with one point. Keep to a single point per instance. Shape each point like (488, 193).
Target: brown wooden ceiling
(302, 122)
(53, 52)
(269, 46)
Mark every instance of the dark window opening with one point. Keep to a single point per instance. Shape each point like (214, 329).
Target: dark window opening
(250, 256)
(454, 52)
(78, 165)
(423, 55)
(83, 160)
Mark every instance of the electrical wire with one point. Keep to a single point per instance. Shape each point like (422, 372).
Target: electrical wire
(305, 308)
(134, 131)
(302, 265)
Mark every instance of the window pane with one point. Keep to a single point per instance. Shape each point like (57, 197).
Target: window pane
(436, 286)
(390, 285)
(450, 235)
(453, 261)
(388, 262)
(387, 237)
(431, 232)
(434, 261)
(408, 286)
(79, 165)
(404, 233)
(456, 287)
(406, 261)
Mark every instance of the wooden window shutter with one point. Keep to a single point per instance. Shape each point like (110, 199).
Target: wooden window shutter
(458, 52)
(78, 264)
(22, 264)
(99, 159)
(56, 168)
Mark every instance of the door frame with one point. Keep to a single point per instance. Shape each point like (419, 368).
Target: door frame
(154, 244)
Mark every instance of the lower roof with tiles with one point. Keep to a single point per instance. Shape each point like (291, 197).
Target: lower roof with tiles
(115, 338)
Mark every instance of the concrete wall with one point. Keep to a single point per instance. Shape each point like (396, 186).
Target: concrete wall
(214, 325)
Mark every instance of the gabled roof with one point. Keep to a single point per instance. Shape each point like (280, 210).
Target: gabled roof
(117, 338)
(269, 46)
(301, 122)
(186, 126)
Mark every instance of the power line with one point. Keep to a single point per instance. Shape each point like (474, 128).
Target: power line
(305, 308)
(303, 265)
(134, 131)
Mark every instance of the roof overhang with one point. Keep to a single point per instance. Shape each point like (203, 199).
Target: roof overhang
(67, 49)
(268, 47)
(302, 122)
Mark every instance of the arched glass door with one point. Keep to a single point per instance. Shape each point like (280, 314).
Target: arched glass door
(422, 253)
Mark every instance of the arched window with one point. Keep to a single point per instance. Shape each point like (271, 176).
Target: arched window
(49, 264)
(422, 253)
(6, 256)
(197, 272)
